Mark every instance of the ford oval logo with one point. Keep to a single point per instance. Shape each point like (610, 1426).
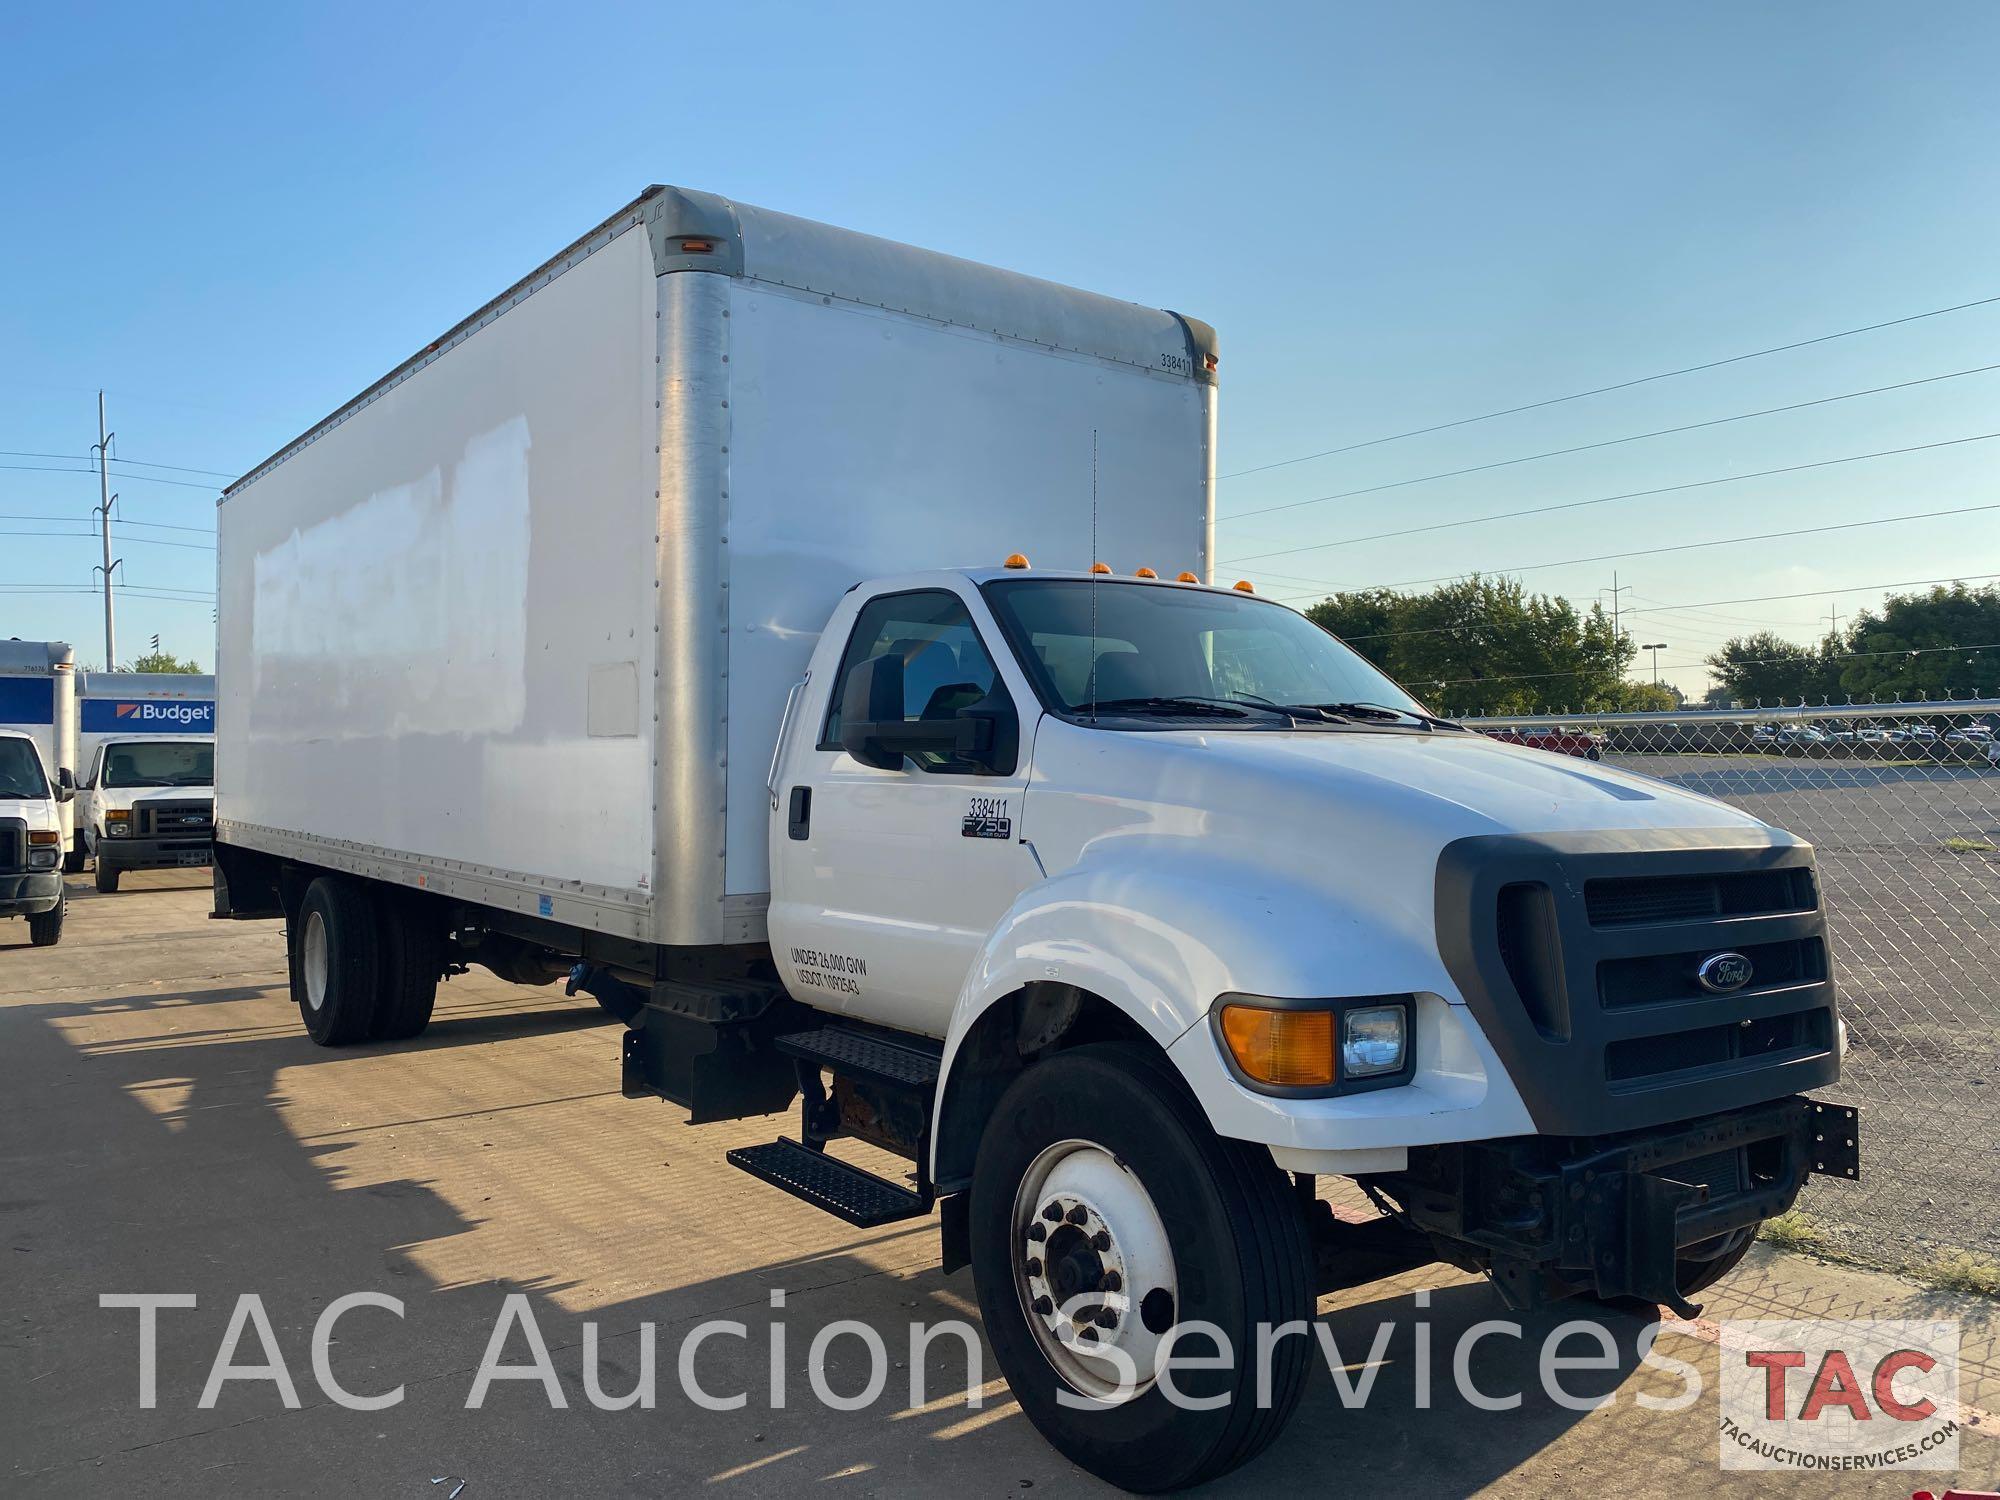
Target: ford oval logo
(1724, 973)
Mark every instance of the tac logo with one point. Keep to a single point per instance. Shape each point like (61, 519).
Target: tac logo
(1832, 1397)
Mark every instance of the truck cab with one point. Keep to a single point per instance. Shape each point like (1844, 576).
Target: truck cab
(31, 883)
(147, 802)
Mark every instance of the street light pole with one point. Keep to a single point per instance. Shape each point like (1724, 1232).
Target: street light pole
(1656, 648)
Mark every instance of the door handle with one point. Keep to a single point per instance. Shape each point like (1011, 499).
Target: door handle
(799, 820)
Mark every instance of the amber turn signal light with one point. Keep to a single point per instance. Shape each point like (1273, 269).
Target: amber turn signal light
(1285, 1048)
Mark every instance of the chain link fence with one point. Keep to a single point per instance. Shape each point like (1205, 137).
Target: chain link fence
(1902, 803)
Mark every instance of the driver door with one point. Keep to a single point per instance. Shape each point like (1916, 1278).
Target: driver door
(886, 883)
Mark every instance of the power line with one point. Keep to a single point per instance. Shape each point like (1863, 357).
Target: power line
(144, 541)
(1606, 443)
(1767, 536)
(1665, 489)
(122, 521)
(1846, 588)
(1714, 364)
(1682, 666)
(184, 484)
(143, 463)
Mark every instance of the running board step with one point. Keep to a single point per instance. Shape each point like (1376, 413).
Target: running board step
(902, 1065)
(846, 1192)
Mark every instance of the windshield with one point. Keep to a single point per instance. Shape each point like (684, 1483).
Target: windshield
(135, 763)
(1160, 644)
(21, 770)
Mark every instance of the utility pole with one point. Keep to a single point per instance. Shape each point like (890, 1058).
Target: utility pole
(104, 499)
(1615, 592)
(1832, 617)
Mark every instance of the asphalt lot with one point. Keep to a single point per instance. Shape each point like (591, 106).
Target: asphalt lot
(1913, 906)
(166, 1127)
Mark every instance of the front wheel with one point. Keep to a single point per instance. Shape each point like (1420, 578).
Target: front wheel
(107, 877)
(1085, 1163)
(45, 928)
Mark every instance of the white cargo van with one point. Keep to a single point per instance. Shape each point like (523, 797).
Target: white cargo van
(31, 883)
(720, 607)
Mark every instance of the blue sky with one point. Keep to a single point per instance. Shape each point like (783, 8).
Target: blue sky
(233, 217)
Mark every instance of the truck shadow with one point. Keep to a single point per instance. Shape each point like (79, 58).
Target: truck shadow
(242, 1159)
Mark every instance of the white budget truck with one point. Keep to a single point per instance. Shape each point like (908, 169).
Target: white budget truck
(145, 760)
(718, 609)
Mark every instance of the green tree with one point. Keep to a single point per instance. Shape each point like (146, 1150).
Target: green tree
(1486, 646)
(1944, 643)
(165, 661)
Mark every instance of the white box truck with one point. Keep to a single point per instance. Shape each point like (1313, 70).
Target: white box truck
(145, 772)
(673, 617)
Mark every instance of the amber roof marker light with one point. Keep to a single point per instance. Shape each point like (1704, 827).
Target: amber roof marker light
(1099, 567)
(1016, 560)
(1186, 577)
(1243, 586)
(1145, 573)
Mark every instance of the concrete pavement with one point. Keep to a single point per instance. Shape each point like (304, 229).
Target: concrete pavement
(165, 1126)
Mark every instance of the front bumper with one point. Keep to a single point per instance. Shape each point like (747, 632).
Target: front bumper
(1614, 1216)
(154, 853)
(31, 893)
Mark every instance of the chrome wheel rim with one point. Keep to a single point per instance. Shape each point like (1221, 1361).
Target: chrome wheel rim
(1093, 1267)
(312, 960)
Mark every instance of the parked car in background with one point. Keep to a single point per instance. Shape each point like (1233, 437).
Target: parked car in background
(1578, 742)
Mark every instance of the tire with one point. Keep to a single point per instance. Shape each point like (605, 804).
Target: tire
(45, 929)
(412, 960)
(73, 861)
(1115, 1119)
(107, 877)
(334, 954)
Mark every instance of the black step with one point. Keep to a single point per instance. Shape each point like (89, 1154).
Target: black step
(863, 1055)
(845, 1191)
(717, 1001)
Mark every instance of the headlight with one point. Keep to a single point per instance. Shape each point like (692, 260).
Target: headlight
(1374, 1041)
(44, 847)
(117, 823)
(1312, 1047)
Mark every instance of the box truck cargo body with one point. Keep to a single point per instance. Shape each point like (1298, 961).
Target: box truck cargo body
(721, 617)
(521, 619)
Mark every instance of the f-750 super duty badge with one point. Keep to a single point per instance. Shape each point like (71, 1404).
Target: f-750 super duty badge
(986, 818)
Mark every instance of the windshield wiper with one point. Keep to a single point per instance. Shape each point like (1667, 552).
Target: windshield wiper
(1182, 707)
(1380, 711)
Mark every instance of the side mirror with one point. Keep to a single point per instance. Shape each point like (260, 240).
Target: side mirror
(65, 784)
(874, 731)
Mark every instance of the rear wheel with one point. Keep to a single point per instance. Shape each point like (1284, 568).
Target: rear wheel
(1084, 1163)
(334, 948)
(45, 929)
(107, 877)
(412, 959)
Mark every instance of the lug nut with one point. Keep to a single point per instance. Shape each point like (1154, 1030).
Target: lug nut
(1100, 1241)
(1078, 1214)
(1036, 1232)
(1112, 1281)
(1106, 1318)
(1043, 1306)
(1053, 1213)
(1035, 1265)
(1089, 1335)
